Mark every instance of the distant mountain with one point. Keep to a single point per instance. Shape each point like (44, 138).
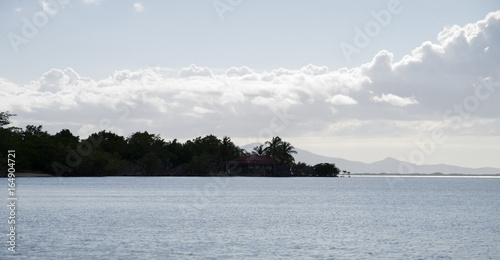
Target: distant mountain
(388, 165)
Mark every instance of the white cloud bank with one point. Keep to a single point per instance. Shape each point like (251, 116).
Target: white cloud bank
(382, 96)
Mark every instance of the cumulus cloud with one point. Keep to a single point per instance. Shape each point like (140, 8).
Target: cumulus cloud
(314, 70)
(55, 80)
(383, 94)
(340, 99)
(194, 70)
(282, 71)
(395, 100)
(238, 72)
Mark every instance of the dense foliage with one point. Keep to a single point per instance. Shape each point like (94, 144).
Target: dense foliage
(108, 154)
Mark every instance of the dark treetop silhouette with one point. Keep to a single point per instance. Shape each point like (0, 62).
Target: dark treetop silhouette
(144, 154)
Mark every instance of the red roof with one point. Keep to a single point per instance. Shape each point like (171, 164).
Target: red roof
(256, 159)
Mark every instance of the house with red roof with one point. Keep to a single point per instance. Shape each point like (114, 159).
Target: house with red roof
(257, 165)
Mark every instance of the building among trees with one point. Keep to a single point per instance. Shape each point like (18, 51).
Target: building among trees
(257, 165)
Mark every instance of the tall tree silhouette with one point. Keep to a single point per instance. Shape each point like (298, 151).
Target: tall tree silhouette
(285, 153)
(272, 148)
(280, 150)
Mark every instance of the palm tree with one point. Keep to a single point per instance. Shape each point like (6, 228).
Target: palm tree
(286, 151)
(258, 150)
(280, 150)
(272, 149)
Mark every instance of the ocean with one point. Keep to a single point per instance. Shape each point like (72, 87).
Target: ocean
(362, 217)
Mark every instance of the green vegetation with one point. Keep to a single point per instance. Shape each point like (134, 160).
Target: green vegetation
(280, 150)
(141, 154)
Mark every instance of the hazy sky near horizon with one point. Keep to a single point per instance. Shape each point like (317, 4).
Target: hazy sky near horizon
(363, 80)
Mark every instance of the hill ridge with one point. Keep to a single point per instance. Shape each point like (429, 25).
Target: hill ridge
(389, 165)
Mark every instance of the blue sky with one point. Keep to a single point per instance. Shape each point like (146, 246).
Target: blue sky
(100, 37)
(184, 69)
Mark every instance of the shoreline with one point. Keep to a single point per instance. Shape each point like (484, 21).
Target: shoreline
(41, 174)
(424, 176)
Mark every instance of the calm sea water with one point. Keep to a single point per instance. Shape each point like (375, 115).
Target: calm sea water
(256, 218)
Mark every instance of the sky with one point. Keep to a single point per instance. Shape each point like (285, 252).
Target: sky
(361, 80)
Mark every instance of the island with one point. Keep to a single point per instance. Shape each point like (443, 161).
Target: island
(144, 154)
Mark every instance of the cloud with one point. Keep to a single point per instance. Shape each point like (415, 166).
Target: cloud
(55, 80)
(92, 1)
(238, 72)
(383, 95)
(340, 99)
(395, 100)
(138, 7)
(314, 70)
(282, 71)
(194, 70)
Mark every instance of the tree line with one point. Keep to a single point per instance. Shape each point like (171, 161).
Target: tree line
(141, 154)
